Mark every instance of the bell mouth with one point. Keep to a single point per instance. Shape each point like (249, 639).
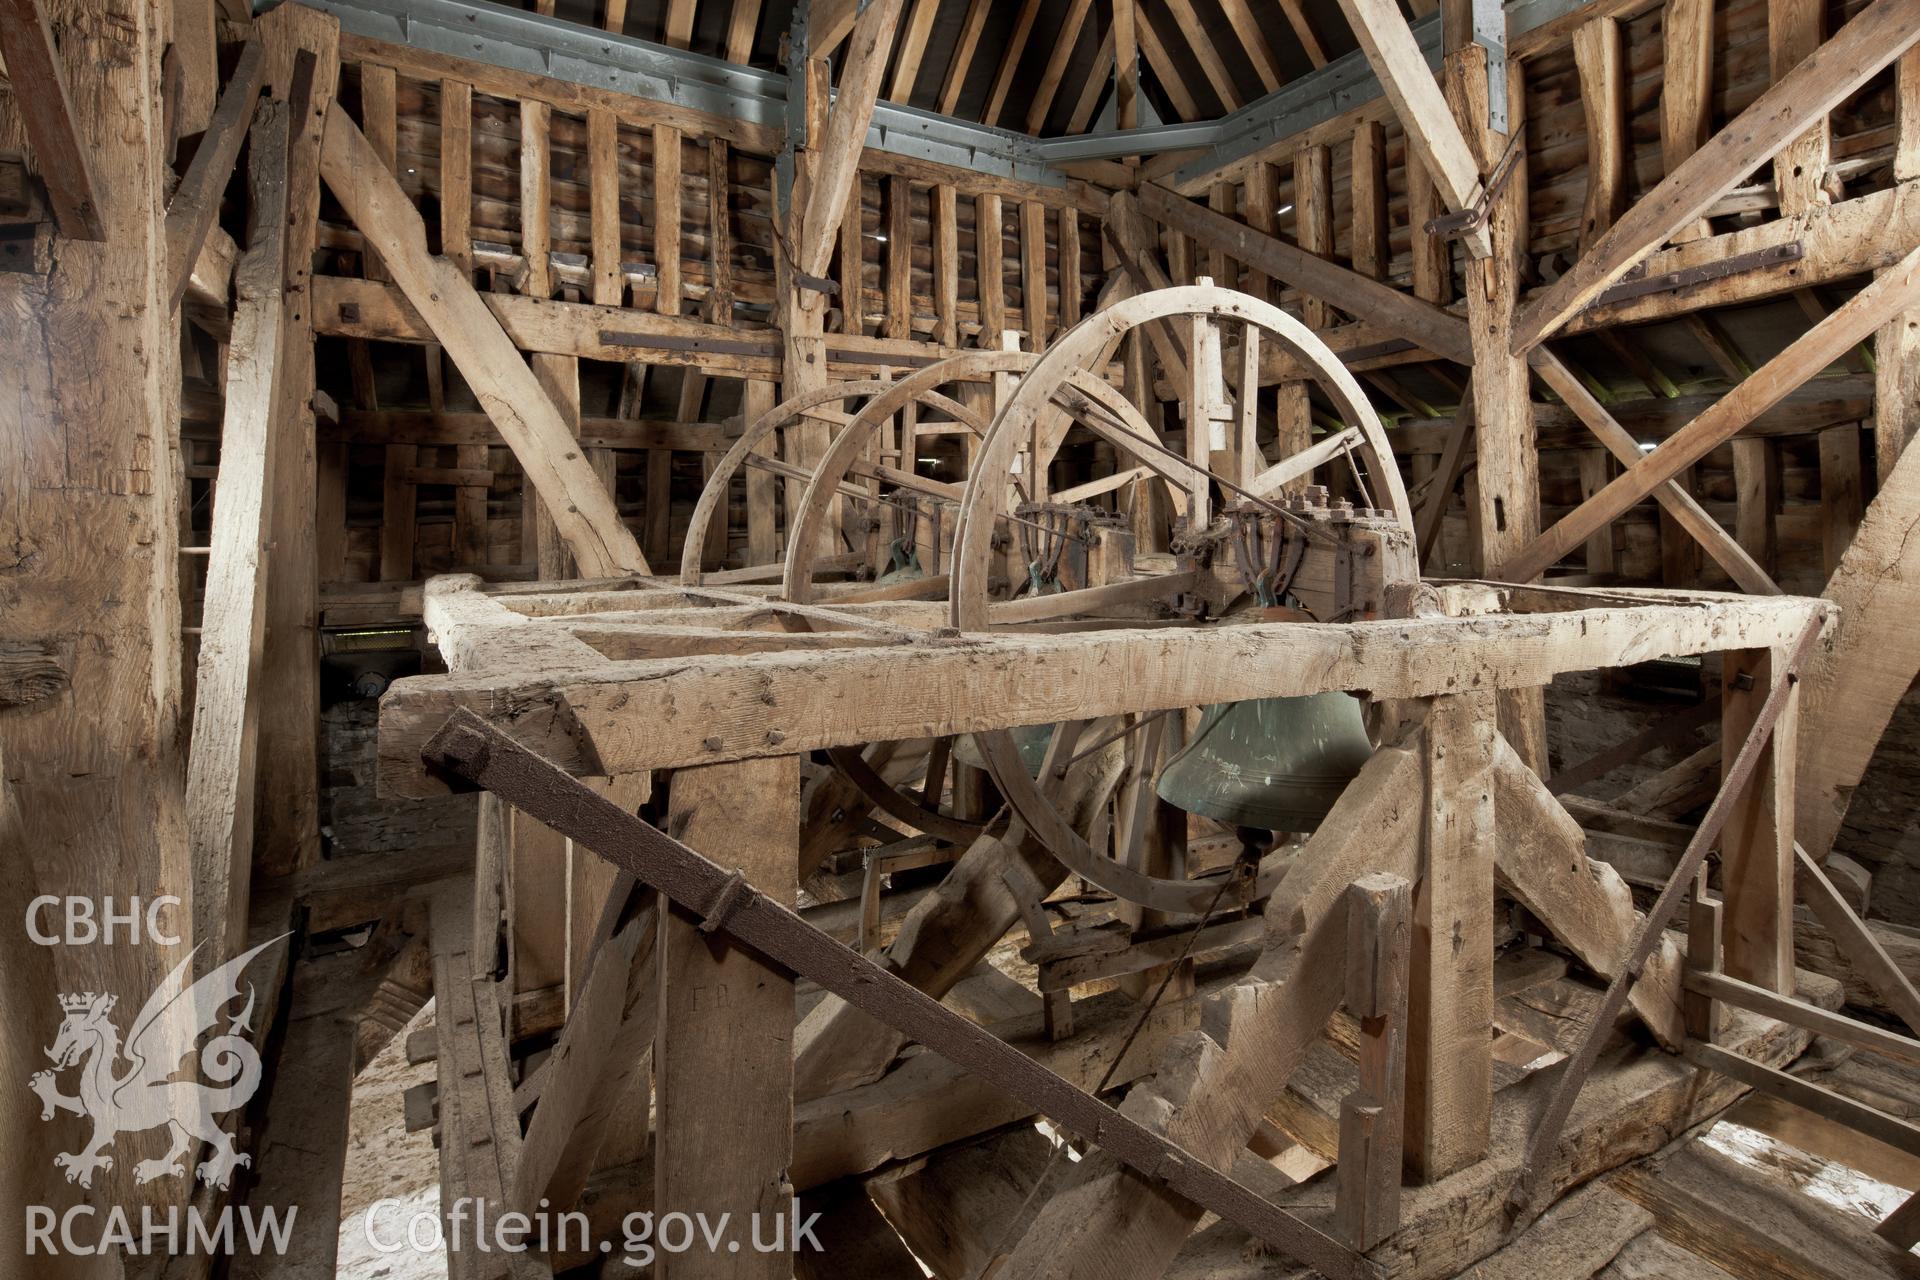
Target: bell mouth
(1269, 764)
(1030, 740)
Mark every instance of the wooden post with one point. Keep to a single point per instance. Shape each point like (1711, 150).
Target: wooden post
(1432, 256)
(1367, 1189)
(763, 536)
(1369, 180)
(287, 786)
(899, 257)
(1603, 96)
(88, 499)
(603, 175)
(1313, 219)
(720, 294)
(1756, 487)
(1795, 29)
(1896, 384)
(1450, 1005)
(1596, 468)
(723, 1055)
(1756, 855)
(946, 265)
(1703, 956)
(559, 377)
(221, 755)
(666, 219)
(1840, 490)
(1686, 107)
(536, 198)
(1506, 514)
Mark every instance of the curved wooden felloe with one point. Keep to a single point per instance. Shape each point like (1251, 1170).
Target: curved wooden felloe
(898, 805)
(784, 414)
(973, 366)
(1174, 897)
(1075, 351)
(806, 526)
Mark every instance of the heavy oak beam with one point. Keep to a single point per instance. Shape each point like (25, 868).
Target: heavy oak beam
(474, 751)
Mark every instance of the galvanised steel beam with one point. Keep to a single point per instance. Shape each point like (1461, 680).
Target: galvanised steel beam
(527, 42)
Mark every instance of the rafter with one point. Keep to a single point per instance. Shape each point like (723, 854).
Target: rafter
(1063, 47)
(1092, 89)
(677, 29)
(1303, 31)
(1254, 41)
(1010, 61)
(913, 47)
(965, 45)
(1172, 81)
(1211, 64)
(1124, 47)
(828, 23)
(743, 23)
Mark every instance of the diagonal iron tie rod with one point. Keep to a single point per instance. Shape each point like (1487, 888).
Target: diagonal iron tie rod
(1546, 1134)
(469, 748)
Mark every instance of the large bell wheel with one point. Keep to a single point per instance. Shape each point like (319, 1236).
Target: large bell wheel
(810, 527)
(754, 448)
(936, 389)
(1032, 419)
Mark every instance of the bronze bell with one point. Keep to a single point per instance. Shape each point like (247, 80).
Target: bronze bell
(1271, 764)
(903, 565)
(1030, 740)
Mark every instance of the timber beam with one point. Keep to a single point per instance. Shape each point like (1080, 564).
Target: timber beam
(45, 107)
(1868, 43)
(620, 717)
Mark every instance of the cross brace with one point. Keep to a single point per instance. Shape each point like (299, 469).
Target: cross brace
(471, 750)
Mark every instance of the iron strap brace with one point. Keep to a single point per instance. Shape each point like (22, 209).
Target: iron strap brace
(1466, 221)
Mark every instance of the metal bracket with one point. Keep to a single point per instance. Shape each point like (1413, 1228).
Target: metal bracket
(794, 50)
(1490, 33)
(1637, 283)
(1466, 221)
(816, 284)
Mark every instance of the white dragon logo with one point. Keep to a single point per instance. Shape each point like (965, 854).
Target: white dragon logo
(172, 1020)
